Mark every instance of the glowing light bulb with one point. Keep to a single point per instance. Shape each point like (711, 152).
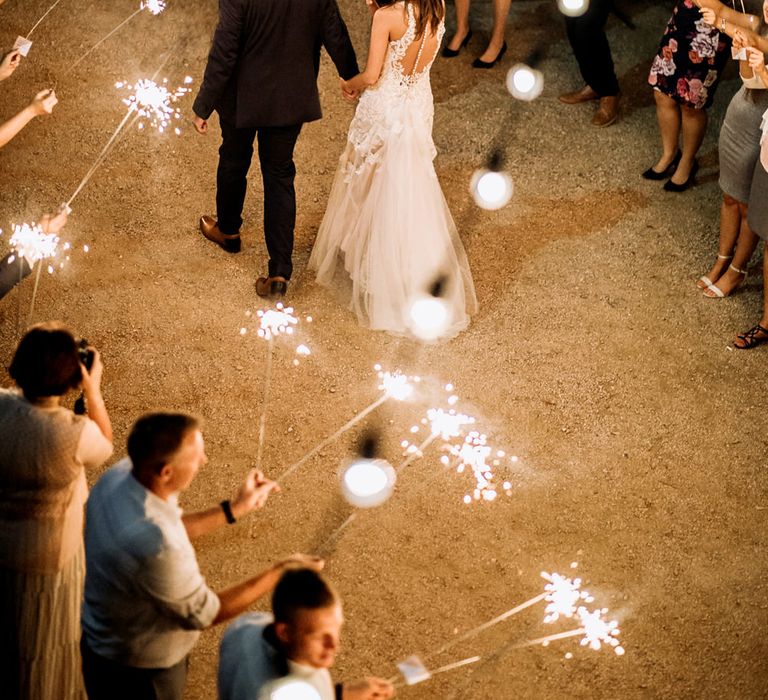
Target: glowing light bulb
(491, 189)
(366, 483)
(573, 8)
(524, 83)
(294, 690)
(428, 317)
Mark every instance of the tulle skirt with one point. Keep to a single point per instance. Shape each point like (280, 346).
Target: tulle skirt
(388, 222)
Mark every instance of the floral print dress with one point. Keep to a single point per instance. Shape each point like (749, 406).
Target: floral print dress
(691, 58)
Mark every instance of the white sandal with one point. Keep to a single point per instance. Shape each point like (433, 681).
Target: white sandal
(708, 282)
(717, 293)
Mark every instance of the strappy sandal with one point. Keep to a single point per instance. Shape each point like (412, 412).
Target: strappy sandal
(705, 280)
(714, 292)
(751, 339)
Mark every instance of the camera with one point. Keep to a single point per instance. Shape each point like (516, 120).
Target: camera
(84, 354)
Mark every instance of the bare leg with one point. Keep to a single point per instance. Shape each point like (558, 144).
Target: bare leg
(500, 12)
(462, 25)
(730, 223)
(745, 246)
(694, 127)
(668, 116)
(760, 335)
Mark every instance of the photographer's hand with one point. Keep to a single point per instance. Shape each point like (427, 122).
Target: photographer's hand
(91, 383)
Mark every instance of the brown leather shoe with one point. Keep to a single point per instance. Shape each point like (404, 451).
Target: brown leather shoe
(607, 112)
(271, 286)
(209, 227)
(586, 94)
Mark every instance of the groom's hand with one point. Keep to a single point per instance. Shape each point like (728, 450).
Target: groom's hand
(201, 125)
(347, 94)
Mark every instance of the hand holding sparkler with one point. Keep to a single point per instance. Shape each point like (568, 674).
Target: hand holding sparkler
(253, 494)
(10, 63)
(44, 102)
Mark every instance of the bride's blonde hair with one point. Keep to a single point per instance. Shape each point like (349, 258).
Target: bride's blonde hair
(429, 12)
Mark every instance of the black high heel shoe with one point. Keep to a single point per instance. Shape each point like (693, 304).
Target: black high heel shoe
(452, 53)
(670, 186)
(477, 63)
(652, 174)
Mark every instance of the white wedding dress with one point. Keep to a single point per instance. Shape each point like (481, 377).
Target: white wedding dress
(387, 219)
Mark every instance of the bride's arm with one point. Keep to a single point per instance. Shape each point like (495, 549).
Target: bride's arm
(382, 21)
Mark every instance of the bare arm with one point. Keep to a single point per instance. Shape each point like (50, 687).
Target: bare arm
(252, 495)
(722, 17)
(239, 598)
(382, 21)
(42, 104)
(97, 410)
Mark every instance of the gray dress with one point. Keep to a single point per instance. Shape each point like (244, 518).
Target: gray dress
(757, 210)
(739, 144)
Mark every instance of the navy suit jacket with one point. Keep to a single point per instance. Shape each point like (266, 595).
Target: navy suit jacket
(263, 64)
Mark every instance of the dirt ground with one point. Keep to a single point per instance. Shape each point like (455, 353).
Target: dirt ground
(640, 434)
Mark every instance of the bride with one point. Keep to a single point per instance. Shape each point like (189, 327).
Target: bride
(387, 218)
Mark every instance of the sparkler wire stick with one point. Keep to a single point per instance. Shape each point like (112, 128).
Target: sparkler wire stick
(344, 428)
(101, 41)
(263, 419)
(34, 291)
(418, 452)
(486, 625)
(42, 18)
(551, 638)
(334, 535)
(442, 669)
(102, 156)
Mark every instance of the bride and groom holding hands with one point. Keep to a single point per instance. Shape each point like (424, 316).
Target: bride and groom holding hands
(387, 226)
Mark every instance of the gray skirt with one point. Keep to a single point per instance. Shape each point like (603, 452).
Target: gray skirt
(739, 144)
(757, 209)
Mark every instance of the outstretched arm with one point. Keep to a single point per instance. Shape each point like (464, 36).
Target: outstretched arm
(378, 50)
(720, 16)
(43, 103)
(222, 58)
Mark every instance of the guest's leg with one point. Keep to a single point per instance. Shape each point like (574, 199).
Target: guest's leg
(169, 683)
(278, 171)
(761, 336)
(669, 118)
(591, 49)
(730, 224)
(462, 25)
(235, 156)
(694, 128)
(500, 13)
(745, 247)
(12, 273)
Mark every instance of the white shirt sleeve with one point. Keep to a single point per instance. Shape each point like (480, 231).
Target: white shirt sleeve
(93, 449)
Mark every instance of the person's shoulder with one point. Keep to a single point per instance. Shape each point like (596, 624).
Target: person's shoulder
(114, 476)
(248, 625)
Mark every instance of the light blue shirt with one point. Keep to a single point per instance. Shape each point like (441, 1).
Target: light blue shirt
(250, 668)
(145, 599)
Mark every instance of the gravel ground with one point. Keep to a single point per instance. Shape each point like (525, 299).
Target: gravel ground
(640, 434)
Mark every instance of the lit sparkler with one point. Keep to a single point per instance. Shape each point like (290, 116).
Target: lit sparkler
(393, 385)
(595, 631)
(29, 241)
(563, 596)
(154, 102)
(155, 7)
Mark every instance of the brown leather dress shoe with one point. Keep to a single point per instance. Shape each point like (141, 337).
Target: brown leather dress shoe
(607, 112)
(209, 227)
(271, 286)
(586, 94)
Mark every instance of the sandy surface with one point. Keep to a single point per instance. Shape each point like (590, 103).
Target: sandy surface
(640, 435)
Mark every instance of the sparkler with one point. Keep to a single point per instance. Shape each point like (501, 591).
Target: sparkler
(154, 102)
(29, 242)
(154, 7)
(272, 323)
(394, 386)
(29, 33)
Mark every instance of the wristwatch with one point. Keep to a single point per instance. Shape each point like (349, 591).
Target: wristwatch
(226, 506)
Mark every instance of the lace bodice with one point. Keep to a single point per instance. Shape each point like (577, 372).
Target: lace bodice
(397, 101)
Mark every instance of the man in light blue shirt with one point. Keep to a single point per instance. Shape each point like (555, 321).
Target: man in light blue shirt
(262, 654)
(145, 598)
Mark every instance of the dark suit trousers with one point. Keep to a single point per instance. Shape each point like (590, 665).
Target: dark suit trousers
(590, 46)
(108, 680)
(276, 144)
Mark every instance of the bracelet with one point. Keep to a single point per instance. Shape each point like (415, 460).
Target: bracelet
(722, 24)
(226, 506)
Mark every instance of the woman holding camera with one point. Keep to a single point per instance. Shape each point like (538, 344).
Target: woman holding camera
(44, 451)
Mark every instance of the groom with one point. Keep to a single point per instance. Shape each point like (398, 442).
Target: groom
(261, 78)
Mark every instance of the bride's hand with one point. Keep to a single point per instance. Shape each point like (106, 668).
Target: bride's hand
(346, 93)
